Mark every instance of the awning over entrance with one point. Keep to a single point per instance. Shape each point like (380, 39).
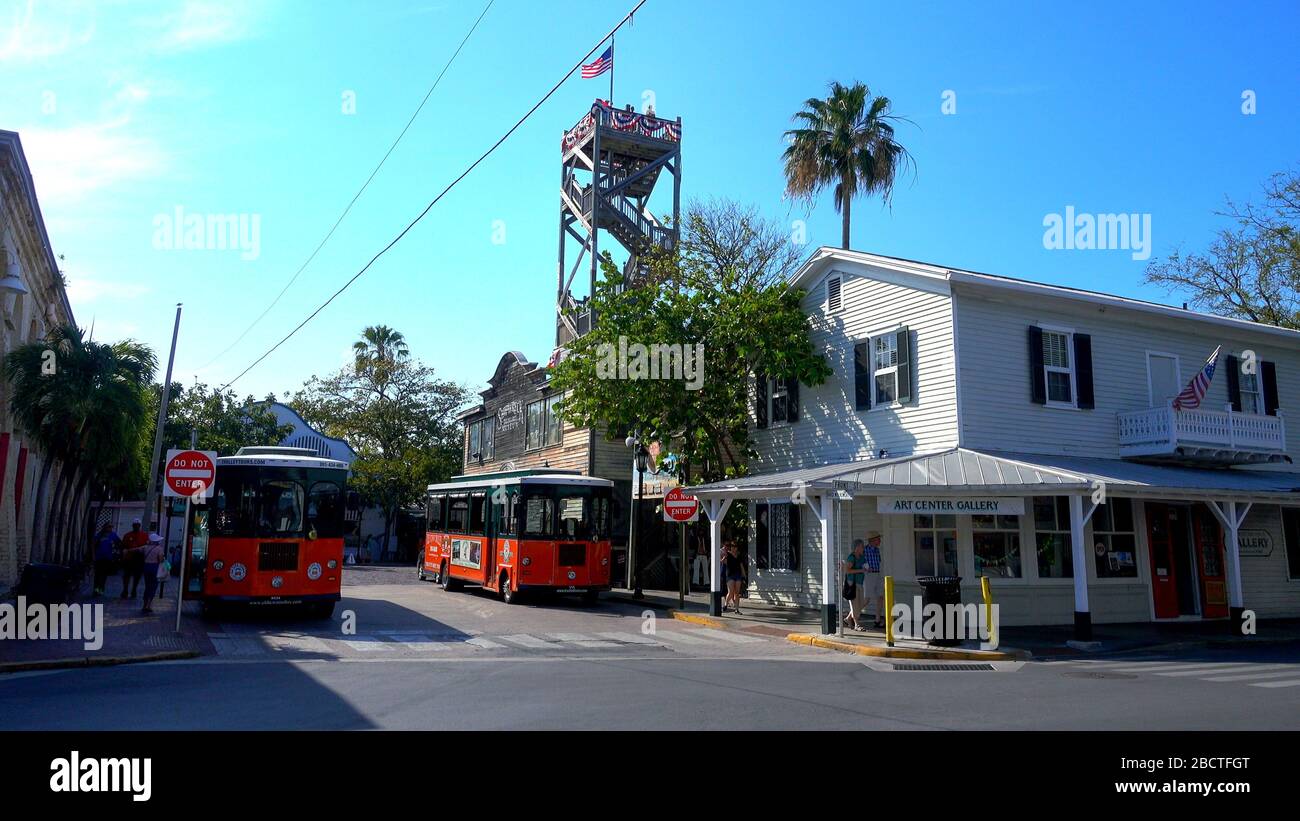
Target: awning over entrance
(966, 471)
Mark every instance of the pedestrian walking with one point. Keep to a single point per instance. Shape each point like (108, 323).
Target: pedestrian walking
(873, 580)
(151, 555)
(107, 545)
(735, 572)
(854, 572)
(133, 545)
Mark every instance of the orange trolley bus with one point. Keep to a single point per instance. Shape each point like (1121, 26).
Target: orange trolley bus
(271, 532)
(519, 531)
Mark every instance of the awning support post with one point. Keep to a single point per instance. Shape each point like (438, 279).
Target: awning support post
(1232, 516)
(716, 510)
(1079, 556)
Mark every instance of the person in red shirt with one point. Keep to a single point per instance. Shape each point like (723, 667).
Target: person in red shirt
(133, 545)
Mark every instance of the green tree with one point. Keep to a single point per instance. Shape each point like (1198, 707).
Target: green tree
(734, 306)
(84, 403)
(846, 140)
(1251, 269)
(396, 414)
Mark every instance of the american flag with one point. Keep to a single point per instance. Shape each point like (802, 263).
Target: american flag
(603, 63)
(1195, 391)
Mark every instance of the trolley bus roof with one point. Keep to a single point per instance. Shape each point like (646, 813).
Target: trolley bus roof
(489, 480)
(281, 461)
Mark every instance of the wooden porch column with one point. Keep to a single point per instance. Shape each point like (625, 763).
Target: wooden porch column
(1231, 516)
(716, 510)
(1079, 556)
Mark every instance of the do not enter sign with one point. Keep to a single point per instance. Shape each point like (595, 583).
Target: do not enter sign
(189, 472)
(678, 507)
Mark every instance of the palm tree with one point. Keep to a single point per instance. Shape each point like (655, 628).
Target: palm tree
(84, 403)
(846, 139)
(379, 350)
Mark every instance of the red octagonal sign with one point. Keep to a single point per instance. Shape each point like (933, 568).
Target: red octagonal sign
(188, 471)
(678, 507)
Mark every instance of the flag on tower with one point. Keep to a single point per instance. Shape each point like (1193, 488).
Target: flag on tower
(603, 63)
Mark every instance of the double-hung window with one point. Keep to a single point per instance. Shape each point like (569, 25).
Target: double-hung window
(997, 545)
(885, 365)
(542, 423)
(1058, 367)
(1252, 396)
(482, 439)
(1114, 540)
(882, 370)
(1052, 537)
(935, 544)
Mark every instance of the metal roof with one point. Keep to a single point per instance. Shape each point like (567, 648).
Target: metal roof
(961, 471)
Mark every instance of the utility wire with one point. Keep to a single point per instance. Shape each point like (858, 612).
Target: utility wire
(441, 194)
(361, 191)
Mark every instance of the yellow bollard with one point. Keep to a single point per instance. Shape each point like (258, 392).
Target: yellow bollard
(987, 591)
(889, 611)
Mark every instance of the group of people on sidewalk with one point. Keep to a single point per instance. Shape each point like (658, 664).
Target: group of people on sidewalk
(863, 582)
(140, 556)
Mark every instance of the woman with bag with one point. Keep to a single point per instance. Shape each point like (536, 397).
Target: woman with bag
(854, 569)
(153, 557)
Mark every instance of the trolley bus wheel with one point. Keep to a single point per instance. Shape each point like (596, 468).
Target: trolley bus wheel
(445, 579)
(507, 595)
(419, 570)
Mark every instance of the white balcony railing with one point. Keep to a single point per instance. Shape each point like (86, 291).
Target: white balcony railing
(1225, 435)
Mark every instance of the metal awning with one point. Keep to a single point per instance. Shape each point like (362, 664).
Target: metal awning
(964, 471)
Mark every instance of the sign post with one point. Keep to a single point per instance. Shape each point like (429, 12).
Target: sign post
(680, 508)
(189, 473)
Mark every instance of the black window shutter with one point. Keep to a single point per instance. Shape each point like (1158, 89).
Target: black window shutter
(1083, 369)
(862, 376)
(792, 400)
(760, 400)
(760, 536)
(1233, 367)
(1037, 381)
(796, 542)
(1268, 376)
(904, 341)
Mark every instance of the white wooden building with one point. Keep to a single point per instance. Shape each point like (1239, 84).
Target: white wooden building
(961, 391)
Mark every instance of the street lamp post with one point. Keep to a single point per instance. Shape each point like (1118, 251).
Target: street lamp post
(641, 460)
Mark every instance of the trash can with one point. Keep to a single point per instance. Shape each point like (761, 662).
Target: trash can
(941, 591)
(46, 583)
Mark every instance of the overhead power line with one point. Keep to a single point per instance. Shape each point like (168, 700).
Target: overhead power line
(360, 191)
(441, 194)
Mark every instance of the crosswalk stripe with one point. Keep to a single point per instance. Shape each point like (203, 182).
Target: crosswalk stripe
(485, 644)
(525, 640)
(1127, 666)
(724, 635)
(418, 641)
(628, 638)
(680, 635)
(366, 644)
(1202, 669)
(298, 644)
(581, 640)
(1291, 682)
(1290, 671)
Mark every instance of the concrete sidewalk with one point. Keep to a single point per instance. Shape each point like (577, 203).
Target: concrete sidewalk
(803, 626)
(128, 635)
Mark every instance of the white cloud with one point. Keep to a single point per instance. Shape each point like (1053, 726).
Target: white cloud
(68, 163)
(201, 23)
(83, 291)
(27, 35)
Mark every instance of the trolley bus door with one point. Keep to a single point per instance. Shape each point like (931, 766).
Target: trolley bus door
(196, 540)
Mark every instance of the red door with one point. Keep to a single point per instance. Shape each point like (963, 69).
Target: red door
(1164, 575)
(1209, 561)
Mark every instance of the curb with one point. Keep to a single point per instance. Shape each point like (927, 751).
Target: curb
(93, 661)
(707, 621)
(906, 653)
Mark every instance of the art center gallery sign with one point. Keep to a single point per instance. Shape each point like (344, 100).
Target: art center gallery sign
(977, 505)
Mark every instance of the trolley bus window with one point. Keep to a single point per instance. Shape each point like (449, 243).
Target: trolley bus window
(234, 506)
(478, 514)
(457, 514)
(583, 513)
(281, 508)
(539, 514)
(505, 513)
(433, 513)
(325, 510)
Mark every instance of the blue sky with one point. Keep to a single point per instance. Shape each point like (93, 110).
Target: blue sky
(130, 110)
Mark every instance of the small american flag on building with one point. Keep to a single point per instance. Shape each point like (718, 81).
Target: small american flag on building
(603, 63)
(1192, 395)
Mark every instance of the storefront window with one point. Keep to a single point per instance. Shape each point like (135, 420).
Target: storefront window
(935, 539)
(1291, 535)
(1052, 537)
(997, 546)
(1114, 540)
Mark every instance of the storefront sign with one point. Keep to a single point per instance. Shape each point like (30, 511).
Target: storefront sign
(1255, 544)
(985, 505)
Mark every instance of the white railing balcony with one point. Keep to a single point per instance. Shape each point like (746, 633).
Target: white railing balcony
(1225, 437)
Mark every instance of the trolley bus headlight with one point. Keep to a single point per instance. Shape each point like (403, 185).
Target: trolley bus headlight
(313, 571)
(237, 572)
(218, 565)
(277, 582)
(331, 564)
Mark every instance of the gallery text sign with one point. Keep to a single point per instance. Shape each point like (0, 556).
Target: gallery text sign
(908, 505)
(1255, 544)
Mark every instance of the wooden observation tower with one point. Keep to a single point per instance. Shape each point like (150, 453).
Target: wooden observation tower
(612, 160)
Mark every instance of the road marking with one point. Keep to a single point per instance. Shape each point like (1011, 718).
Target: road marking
(629, 638)
(582, 640)
(367, 644)
(1291, 671)
(679, 635)
(725, 635)
(298, 644)
(525, 640)
(1204, 669)
(1133, 668)
(1293, 682)
(417, 641)
(485, 644)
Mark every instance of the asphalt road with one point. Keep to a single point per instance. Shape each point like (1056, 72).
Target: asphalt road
(418, 657)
